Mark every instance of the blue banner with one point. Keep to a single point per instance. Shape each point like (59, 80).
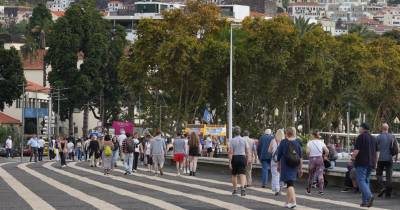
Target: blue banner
(36, 112)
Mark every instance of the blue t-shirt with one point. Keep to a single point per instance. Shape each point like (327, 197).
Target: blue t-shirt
(263, 146)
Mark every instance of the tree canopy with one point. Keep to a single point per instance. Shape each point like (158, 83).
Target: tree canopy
(11, 76)
(285, 72)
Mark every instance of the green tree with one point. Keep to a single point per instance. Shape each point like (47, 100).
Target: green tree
(94, 84)
(12, 76)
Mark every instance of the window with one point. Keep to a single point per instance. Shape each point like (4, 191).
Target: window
(147, 8)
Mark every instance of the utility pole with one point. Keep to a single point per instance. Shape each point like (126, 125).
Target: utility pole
(348, 127)
(23, 121)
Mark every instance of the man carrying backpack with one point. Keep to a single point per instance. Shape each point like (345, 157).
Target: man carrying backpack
(127, 149)
(264, 156)
(388, 148)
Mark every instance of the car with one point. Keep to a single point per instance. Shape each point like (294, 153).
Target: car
(3, 152)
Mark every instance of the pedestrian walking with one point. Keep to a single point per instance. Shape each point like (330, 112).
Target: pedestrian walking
(52, 145)
(9, 146)
(275, 175)
(264, 156)
(70, 148)
(147, 149)
(238, 153)
(115, 152)
(158, 150)
(388, 148)
(209, 146)
(365, 156)
(94, 151)
(107, 154)
(63, 151)
(33, 145)
(78, 150)
(251, 157)
(290, 164)
(316, 153)
(136, 152)
(121, 138)
(40, 148)
(179, 146)
(127, 149)
(194, 152)
(86, 148)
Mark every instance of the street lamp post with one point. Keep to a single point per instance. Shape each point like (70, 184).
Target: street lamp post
(348, 128)
(230, 111)
(23, 120)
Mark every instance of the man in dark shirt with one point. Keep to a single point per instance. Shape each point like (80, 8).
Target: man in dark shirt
(365, 155)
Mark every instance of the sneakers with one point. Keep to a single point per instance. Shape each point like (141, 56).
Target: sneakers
(234, 192)
(290, 205)
(277, 193)
(308, 191)
(321, 193)
(191, 173)
(371, 201)
(242, 192)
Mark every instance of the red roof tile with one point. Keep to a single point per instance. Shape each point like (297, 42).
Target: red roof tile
(34, 87)
(5, 119)
(58, 13)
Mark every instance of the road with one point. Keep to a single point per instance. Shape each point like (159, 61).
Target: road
(45, 186)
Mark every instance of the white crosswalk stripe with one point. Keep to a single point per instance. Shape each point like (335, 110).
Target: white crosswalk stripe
(203, 199)
(340, 203)
(30, 197)
(97, 203)
(147, 199)
(221, 192)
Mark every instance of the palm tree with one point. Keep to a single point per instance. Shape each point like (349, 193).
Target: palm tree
(303, 25)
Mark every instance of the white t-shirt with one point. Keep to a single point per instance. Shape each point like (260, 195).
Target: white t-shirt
(9, 144)
(136, 142)
(121, 139)
(208, 142)
(70, 147)
(148, 147)
(316, 147)
(41, 143)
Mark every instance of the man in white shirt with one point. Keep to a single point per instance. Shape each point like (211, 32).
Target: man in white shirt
(33, 144)
(251, 158)
(9, 146)
(40, 148)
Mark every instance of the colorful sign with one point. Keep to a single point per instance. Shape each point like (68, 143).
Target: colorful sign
(126, 126)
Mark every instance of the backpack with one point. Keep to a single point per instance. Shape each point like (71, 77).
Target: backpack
(107, 151)
(394, 148)
(292, 159)
(129, 146)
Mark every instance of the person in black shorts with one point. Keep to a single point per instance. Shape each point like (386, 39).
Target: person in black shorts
(238, 156)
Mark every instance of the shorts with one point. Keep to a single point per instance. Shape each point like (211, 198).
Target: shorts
(209, 150)
(238, 164)
(158, 160)
(179, 157)
(289, 183)
(149, 160)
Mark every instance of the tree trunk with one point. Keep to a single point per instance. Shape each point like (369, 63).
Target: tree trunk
(307, 119)
(85, 121)
(71, 122)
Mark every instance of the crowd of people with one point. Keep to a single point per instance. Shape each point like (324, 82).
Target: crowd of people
(280, 153)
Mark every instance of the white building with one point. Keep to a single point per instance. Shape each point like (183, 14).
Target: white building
(331, 27)
(391, 16)
(114, 6)
(59, 5)
(235, 12)
(307, 10)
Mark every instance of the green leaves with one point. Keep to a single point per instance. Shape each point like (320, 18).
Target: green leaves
(12, 75)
